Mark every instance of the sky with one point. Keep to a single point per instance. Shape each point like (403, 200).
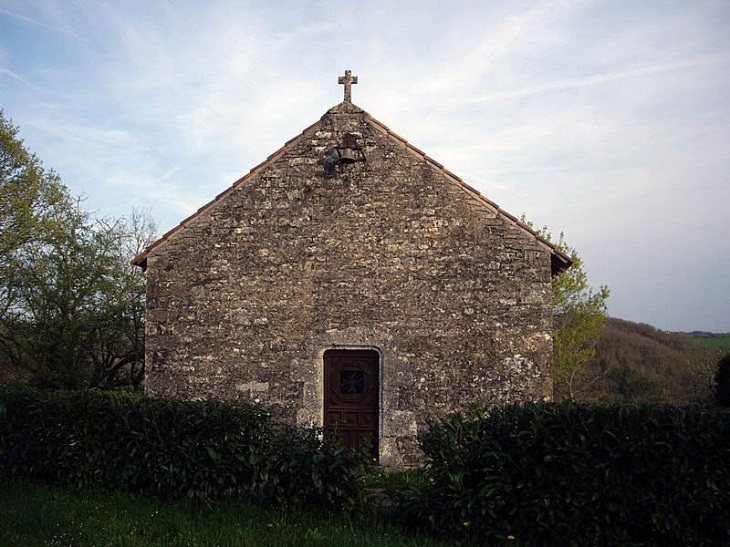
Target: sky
(606, 120)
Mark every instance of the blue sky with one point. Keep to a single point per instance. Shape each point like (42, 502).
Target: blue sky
(608, 120)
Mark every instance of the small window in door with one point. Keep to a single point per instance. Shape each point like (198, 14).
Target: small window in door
(352, 382)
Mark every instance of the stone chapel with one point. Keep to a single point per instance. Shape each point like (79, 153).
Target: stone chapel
(352, 282)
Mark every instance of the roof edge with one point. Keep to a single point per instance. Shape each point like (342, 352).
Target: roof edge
(141, 259)
(559, 261)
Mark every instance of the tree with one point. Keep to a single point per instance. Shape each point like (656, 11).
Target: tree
(30, 196)
(71, 304)
(579, 316)
(121, 341)
(579, 319)
(31, 202)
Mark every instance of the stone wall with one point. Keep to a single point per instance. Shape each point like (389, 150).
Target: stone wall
(388, 253)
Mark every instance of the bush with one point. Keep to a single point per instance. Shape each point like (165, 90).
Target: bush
(203, 450)
(572, 474)
(722, 382)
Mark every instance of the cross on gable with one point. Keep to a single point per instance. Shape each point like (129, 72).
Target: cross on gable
(347, 80)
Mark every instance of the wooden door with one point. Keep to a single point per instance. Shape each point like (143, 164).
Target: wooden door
(351, 397)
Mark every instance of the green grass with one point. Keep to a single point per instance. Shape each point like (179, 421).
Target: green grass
(33, 514)
(393, 480)
(719, 342)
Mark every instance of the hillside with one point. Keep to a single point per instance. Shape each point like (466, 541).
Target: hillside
(637, 362)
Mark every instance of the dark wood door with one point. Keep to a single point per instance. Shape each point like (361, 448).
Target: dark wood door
(351, 397)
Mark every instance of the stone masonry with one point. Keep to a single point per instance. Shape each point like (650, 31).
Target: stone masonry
(388, 252)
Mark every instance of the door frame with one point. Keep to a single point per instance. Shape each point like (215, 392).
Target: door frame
(379, 391)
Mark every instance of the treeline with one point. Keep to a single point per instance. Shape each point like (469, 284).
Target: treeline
(71, 304)
(639, 363)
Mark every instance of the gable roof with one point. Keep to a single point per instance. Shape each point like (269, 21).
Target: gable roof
(559, 261)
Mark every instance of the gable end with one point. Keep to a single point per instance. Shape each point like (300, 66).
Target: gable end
(559, 261)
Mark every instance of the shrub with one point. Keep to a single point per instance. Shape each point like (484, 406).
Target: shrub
(203, 450)
(722, 382)
(572, 474)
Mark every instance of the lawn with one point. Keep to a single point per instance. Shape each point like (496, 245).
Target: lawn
(34, 514)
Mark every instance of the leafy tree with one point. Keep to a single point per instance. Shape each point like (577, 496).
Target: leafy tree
(32, 200)
(71, 305)
(30, 197)
(579, 315)
(82, 306)
(56, 276)
(722, 381)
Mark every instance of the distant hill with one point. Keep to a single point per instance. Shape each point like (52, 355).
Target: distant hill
(637, 362)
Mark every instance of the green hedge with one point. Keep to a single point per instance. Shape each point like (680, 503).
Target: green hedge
(561, 474)
(170, 449)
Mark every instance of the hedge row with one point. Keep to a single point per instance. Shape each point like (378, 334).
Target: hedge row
(170, 449)
(561, 474)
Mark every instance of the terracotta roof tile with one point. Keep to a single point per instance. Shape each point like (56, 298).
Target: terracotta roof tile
(416, 150)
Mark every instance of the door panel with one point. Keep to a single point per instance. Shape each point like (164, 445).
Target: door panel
(351, 397)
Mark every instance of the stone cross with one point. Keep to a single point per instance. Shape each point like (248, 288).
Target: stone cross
(347, 80)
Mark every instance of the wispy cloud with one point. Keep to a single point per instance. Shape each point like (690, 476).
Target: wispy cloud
(41, 24)
(511, 34)
(596, 79)
(87, 134)
(167, 175)
(19, 78)
(306, 31)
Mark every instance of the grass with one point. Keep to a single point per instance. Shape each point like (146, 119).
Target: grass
(393, 480)
(35, 514)
(720, 342)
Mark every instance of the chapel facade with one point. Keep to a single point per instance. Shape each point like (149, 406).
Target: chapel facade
(352, 282)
